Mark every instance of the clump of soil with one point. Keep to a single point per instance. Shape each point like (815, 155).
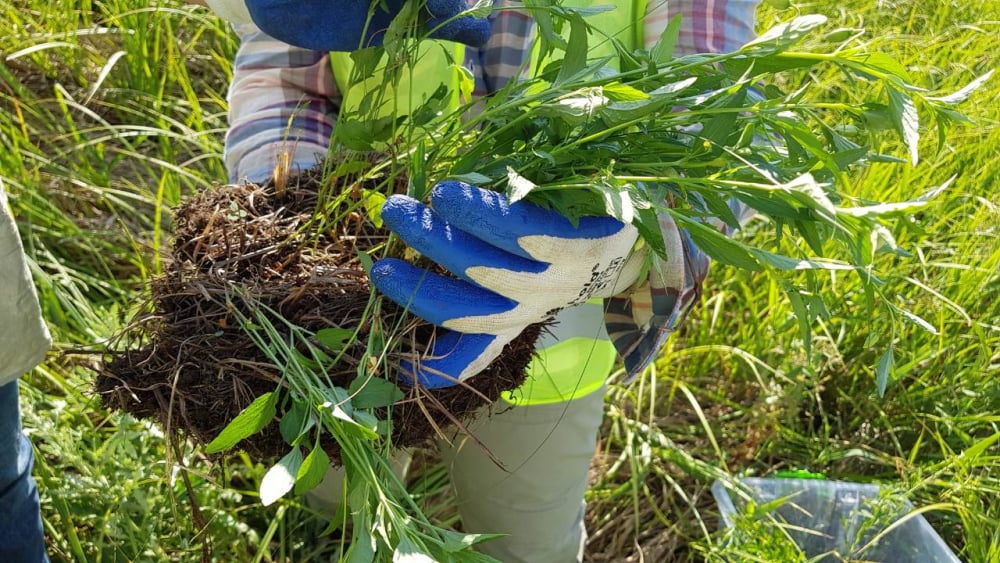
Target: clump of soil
(244, 250)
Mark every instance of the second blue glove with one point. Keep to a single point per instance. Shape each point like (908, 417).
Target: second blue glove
(343, 25)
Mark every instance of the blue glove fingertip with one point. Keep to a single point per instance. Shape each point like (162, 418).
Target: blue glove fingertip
(394, 279)
(452, 353)
(397, 208)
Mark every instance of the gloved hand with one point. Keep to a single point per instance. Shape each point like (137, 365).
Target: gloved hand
(518, 264)
(338, 25)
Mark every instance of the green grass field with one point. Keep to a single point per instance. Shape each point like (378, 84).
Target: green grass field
(112, 110)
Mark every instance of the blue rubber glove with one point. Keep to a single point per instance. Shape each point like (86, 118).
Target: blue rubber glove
(516, 264)
(340, 25)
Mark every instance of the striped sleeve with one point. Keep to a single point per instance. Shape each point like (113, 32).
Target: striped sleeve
(504, 57)
(707, 26)
(281, 99)
(640, 321)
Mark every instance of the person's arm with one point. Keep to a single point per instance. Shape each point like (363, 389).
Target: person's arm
(282, 100)
(640, 320)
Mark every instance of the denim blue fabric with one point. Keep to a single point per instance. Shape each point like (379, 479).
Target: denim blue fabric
(21, 537)
(344, 25)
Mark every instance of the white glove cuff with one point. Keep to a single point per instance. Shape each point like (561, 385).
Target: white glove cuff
(233, 11)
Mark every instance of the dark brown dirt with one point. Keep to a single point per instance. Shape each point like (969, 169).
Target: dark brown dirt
(246, 250)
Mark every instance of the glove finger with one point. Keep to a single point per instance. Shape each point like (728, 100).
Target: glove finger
(445, 9)
(294, 22)
(455, 356)
(488, 216)
(435, 298)
(467, 29)
(454, 249)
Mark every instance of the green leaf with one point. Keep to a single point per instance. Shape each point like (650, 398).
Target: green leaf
(351, 426)
(518, 186)
(719, 208)
(418, 172)
(618, 92)
(782, 36)
(280, 479)
(335, 339)
(455, 542)
(879, 62)
(805, 139)
(810, 233)
(802, 316)
(768, 64)
(617, 200)
(919, 321)
(355, 134)
(474, 178)
(882, 209)
(621, 112)
(373, 392)
(373, 201)
(575, 59)
(252, 420)
(312, 471)
(364, 134)
(366, 60)
(546, 24)
(663, 50)
(481, 9)
(293, 423)
(581, 105)
(648, 226)
(782, 262)
(368, 421)
(585, 11)
(841, 34)
(884, 371)
(979, 448)
(905, 119)
(719, 129)
(670, 90)
(406, 552)
(717, 245)
(366, 261)
(306, 362)
(806, 190)
(966, 91)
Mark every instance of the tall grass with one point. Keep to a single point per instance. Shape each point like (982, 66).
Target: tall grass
(739, 389)
(111, 111)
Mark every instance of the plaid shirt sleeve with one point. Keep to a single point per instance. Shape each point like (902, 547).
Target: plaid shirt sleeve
(505, 56)
(281, 99)
(640, 322)
(284, 99)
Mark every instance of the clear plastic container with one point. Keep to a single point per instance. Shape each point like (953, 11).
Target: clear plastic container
(839, 520)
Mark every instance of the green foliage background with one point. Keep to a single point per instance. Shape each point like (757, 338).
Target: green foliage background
(111, 110)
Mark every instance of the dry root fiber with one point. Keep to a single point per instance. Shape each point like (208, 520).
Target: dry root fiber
(243, 249)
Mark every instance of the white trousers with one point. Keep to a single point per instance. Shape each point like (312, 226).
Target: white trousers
(536, 497)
